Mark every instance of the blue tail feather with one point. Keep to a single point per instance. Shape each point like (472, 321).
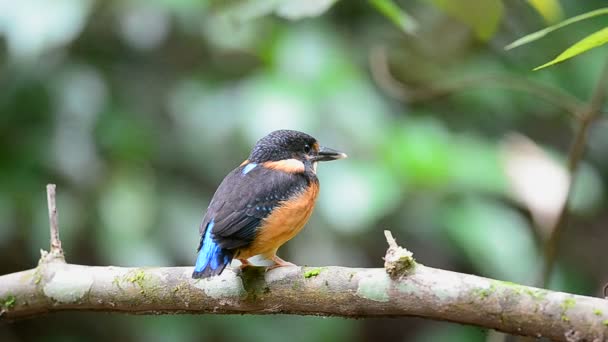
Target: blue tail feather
(212, 259)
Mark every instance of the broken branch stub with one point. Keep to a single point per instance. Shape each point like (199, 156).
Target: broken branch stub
(398, 261)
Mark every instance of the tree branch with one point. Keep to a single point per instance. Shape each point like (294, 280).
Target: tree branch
(325, 291)
(577, 150)
(383, 77)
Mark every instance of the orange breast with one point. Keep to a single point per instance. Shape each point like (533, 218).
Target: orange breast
(282, 224)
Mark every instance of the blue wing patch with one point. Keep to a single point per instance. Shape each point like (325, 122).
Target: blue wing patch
(212, 259)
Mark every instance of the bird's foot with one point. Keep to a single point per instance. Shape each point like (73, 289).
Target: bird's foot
(279, 263)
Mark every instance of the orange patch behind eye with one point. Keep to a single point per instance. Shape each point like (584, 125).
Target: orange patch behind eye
(287, 165)
(316, 146)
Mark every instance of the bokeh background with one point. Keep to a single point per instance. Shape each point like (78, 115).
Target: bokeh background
(137, 109)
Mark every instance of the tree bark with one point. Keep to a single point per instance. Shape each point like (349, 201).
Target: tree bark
(324, 291)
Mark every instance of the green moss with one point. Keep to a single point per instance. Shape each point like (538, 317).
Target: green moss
(180, 286)
(8, 302)
(116, 282)
(519, 289)
(37, 276)
(605, 322)
(536, 293)
(312, 273)
(568, 303)
(138, 278)
(597, 312)
(400, 263)
(485, 292)
(508, 283)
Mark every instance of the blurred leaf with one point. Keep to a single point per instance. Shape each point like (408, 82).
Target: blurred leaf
(395, 14)
(475, 165)
(550, 10)
(7, 220)
(128, 211)
(536, 180)
(31, 27)
(539, 34)
(587, 190)
(450, 332)
(298, 9)
(482, 16)
(356, 194)
(301, 328)
(275, 103)
(243, 36)
(315, 57)
(182, 209)
(419, 152)
(591, 41)
(144, 25)
(425, 154)
(242, 10)
(127, 205)
(358, 99)
(179, 5)
(124, 136)
(495, 238)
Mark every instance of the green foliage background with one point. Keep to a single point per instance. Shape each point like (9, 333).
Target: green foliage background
(137, 109)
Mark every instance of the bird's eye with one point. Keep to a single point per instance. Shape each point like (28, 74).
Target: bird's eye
(306, 149)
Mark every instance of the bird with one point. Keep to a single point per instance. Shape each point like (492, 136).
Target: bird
(263, 203)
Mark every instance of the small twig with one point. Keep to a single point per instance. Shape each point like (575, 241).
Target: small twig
(392, 243)
(577, 150)
(56, 250)
(382, 75)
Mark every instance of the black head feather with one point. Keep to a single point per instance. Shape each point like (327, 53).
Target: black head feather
(282, 144)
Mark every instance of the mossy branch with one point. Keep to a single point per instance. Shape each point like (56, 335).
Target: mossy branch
(325, 291)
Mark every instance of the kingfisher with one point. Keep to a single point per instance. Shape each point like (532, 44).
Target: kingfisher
(263, 203)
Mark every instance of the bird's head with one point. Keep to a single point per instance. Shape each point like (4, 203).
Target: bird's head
(291, 149)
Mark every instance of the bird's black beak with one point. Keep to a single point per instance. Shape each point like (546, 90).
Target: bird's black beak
(328, 154)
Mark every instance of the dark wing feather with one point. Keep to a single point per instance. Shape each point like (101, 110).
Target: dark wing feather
(242, 201)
